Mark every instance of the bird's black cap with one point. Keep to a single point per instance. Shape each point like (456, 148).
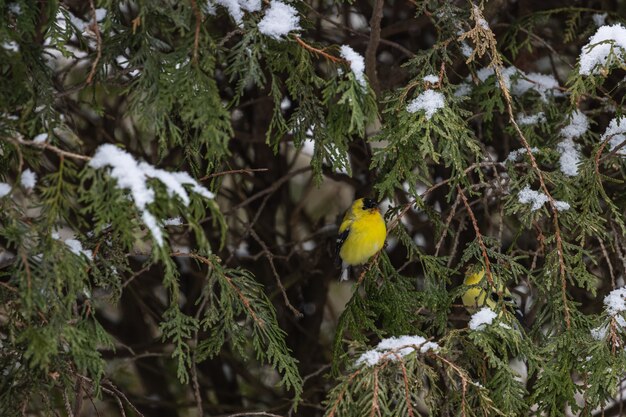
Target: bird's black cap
(369, 203)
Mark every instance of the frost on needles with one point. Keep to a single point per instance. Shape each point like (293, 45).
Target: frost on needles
(133, 176)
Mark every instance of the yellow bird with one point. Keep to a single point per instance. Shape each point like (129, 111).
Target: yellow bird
(361, 235)
(481, 294)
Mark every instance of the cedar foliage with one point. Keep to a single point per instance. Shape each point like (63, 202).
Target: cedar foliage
(237, 311)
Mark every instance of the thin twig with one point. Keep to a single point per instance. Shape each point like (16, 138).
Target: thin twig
(270, 258)
(341, 394)
(196, 36)
(96, 30)
(447, 224)
(243, 299)
(233, 171)
(372, 46)
(608, 262)
(479, 237)
(375, 407)
(318, 51)
(50, 147)
(196, 388)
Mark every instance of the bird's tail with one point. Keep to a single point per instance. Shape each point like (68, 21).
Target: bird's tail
(345, 269)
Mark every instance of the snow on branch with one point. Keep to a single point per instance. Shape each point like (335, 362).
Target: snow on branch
(133, 176)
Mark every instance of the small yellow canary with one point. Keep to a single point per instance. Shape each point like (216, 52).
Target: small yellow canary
(481, 294)
(361, 235)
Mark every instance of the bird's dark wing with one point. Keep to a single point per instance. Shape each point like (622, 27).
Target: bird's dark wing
(341, 237)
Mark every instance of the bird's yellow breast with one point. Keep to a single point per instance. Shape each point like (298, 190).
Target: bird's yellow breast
(367, 236)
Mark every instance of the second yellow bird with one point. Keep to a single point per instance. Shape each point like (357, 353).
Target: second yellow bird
(362, 233)
(481, 294)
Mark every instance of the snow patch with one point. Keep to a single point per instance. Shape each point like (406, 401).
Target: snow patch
(432, 78)
(518, 153)
(133, 176)
(482, 318)
(570, 157)
(595, 54)
(357, 63)
(531, 119)
(430, 101)
(537, 198)
(279, 20)
(394, 348)
(40, 138)
(5, 189)
(28, 179)
(616, 134)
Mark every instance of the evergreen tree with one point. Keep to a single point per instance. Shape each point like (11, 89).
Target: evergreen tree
(172, 174)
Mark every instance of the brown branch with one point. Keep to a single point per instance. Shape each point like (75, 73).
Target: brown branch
(196, 35)
(407, 389)
(372, 46)
(496, 63)
(375, 407)
(342, 393)
(50, 147)
(96, 30)
(447, 224)
(479, 237)
(318, 51)
(243, 299)
(233, 171)
(196, 388)
(270, 258)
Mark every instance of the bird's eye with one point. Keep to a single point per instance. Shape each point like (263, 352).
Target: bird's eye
(494, 296)
(368, 203)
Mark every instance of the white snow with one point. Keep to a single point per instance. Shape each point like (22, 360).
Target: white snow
(537, 198)
(174, 221)
(615, 302)
(396, 347)
(578, 126)
(431, 78)
(543, 84)
(482, 318)
(5, 189)
(285, 104)
(15, 8)
(279, 20)
(519, 83)
(371, 358)
(595, 54)
(570, 154)
(40, 138)
(531, 119)
(614, 305)
(77, 248)
(479, 20)
(430, 101)
(101, 14)
(357, 63)
(562, 205)
(236, 7)
(570, 157)
(132, 176)
(599, 333)
(484, 73)
(616, 133)
(151, 223)
(517, 153)
(11, 46)
(463, 89)
(599, 19)
(466, 50)
(28, 179)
